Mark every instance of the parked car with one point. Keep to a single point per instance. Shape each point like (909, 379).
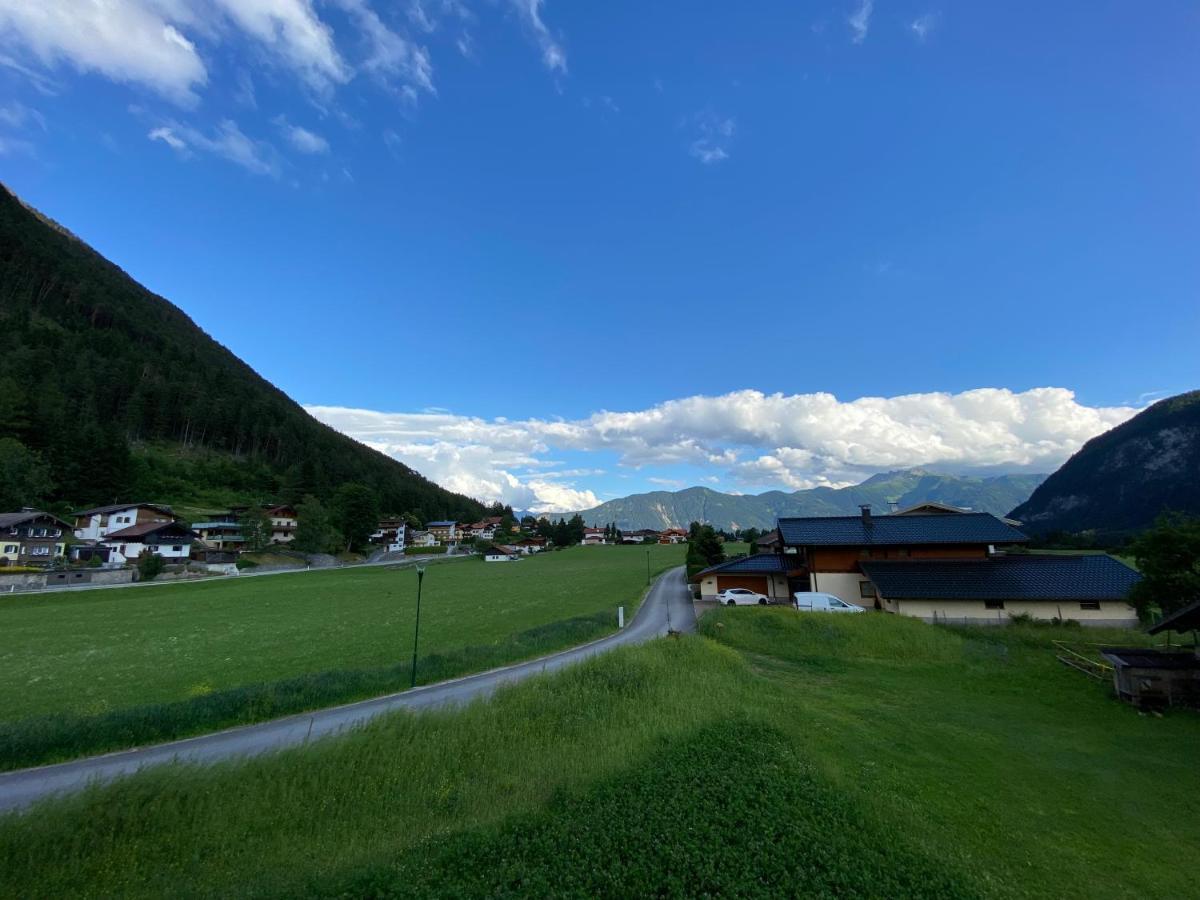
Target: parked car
(811, 601)
(741, 597)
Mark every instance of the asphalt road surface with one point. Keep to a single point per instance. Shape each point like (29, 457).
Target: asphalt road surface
(667, 602)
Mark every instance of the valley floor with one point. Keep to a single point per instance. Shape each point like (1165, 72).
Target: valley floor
(775, 755)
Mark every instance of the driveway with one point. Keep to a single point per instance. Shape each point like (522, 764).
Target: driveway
(668, 601)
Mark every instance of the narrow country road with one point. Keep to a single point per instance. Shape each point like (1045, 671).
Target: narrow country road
(668, 601)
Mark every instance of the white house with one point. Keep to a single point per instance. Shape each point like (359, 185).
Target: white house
(283, 524)
(424, 539)
(93, 524)
(171, 541)
(496, 553)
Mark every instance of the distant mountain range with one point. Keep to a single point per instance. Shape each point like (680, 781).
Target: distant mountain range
(665, 509)
(1120, 481)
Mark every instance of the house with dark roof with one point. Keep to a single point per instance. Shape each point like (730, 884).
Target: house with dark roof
(827, 552)
(32, 538)
(769, 574)
(1091, 589)
(170, 540)
(445, 532)
(100, 521)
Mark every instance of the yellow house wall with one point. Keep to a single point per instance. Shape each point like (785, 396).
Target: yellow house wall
(843, 585)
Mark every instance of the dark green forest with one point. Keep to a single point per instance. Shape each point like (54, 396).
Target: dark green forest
(111, 393)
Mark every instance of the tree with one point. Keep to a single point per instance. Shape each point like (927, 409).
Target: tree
(750, 535)
(256, 528)
(24, 477)
(314, 527)
(355, 514)
(1168, 556)
(150, 566)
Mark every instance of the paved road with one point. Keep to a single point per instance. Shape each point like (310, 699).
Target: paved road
(668, 599)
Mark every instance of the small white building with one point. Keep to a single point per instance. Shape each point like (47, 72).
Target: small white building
(171, 541)
(93, 524)
(496, 553)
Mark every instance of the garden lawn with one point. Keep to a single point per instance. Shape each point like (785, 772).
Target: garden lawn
(780, 755)
(93, 652)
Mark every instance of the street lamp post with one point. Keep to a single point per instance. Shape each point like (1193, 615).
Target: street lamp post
(417, 628)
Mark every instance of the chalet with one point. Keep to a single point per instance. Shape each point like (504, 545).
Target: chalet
(1090, 589)
(171, 540)
(446, 532)
(640, 536)
(283, 523)
(32, 538)
(392, 534)
(673, 536)
(423, 539)
(93, 524)
(826, 553)
(222, 532)
(769, 543)
(593, 537)
(937, 508)
(501, 553)
(484, 529)
(529, 545)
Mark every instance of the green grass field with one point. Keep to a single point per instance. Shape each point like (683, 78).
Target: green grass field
(777, 755)
(81, 672)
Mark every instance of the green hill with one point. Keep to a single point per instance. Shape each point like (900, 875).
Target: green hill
(663, 509)
(110, 392)
(1120, 481)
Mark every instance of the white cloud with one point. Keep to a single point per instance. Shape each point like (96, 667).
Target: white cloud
(715, 133)
(762, 440)
(553, 55)
(301, 138)
(227, 142)
(392, 59)
(292, 29)
(860, 21)
(18, 115)
(129, 41)
(923, 25)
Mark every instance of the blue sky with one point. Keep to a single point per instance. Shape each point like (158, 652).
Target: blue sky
(860, 236)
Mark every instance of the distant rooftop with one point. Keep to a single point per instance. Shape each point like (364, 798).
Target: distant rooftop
(855, 531)
(1019, 577)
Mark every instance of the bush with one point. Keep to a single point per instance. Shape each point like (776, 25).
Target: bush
(243, 563)
(150, 566)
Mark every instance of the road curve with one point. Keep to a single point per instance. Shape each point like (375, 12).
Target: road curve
(667, 605)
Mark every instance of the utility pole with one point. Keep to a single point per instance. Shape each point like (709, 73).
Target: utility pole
(417, 628)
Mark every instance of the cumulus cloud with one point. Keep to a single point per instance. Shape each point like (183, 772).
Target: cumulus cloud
(860, 21)
(762, 440)
(922, 26)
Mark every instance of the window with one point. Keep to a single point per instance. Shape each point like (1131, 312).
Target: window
(177, 547)
(58, 532)
(40, 532)
(40, 551)
(1089, 604)
(153, 548)
(10, 548)
(993, 604)
(866, 590)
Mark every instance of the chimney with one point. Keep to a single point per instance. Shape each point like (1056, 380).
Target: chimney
(866, 514)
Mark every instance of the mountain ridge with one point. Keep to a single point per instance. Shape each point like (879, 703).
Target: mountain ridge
(664, 509)
(1120, 481)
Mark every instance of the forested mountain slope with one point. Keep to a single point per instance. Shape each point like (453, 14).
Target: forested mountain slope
(1120, 481)
(118, 394)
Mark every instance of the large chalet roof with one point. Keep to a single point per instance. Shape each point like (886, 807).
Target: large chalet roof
(8, 520)
(116, 507)
(445, 524)
(758, 564)
(855, 531)
(1019, 577)
(137, 532)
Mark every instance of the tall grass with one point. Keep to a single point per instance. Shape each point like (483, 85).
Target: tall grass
(52, 738)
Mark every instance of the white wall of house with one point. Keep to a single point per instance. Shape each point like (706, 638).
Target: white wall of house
(845, 586)
(1107, 613)
(498, 557)
(128, 551)
(102, 524)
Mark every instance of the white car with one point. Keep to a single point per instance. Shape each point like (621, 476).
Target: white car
(741, 597)
(811, 601)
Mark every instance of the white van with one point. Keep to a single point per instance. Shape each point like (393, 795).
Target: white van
(811, 601)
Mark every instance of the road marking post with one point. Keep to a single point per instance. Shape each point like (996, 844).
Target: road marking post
(620, 617)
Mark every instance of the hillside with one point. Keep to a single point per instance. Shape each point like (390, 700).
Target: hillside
(661, 509)
(1123, 479)
(120, 395)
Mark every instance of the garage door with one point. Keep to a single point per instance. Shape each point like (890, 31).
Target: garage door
(750, 582)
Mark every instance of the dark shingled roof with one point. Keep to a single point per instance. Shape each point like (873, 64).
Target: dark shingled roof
(1092, 577)
(1182, 620)
(146, 529)
(7, 520)
(851, 531)
(758, 564)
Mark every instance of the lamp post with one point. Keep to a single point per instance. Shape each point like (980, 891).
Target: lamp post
(417, 628)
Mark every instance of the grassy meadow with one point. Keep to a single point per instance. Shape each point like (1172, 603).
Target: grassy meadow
(95, 670)
(774, 755)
